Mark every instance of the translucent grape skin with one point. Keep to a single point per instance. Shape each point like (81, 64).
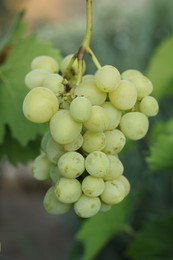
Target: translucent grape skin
(41, 167)
(115, 168)
(45, 62)
(134, 125)
(63, 128)
(75, 144)
(65, 62)
(149, 106)
(52, 205)
(115, 141)
(68, 190)
(80, 109)
(143, 86)
(107, 78)
(54, 150)
(92, 186)
(97, 164)
(71, 165)
(35, 78)
(93, 141)
(53, 81)
(40, 104)
(87, 207)
(113, 114)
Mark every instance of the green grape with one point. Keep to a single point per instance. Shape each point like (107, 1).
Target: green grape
(105, 207)
(143, 86)
(116, 168)
(89, 90)
(54, 150)
(80, 109)
(97, 164)
(124, 96)
(93, 141)
(35, 78)
(88, 77)
(53, 81)
(113, 114)
(149, 106)
(75, 144)
(52, 205)
(87, 207)
(129, 74)
(92, 186)
(115, 141)
(98, 120)
(45, 140)
(66, 61)
(41, 167)
(40, 104)
(107, 78)
(63, 128)
(113, 193)
(45, 62)
(54, 173)
(68, 190)
(71, 165)
(134, 125)
(125, 183)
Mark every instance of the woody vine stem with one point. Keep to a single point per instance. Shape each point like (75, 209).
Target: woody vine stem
(85, 46)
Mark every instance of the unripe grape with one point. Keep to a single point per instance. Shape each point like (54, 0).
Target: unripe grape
(125, 183)
(105, 207)
(52, 205)
(134, 125)
(35, 78)
(68, 190)
(54, 150)
(63, 127)
(53, 81)
(87, 207)
(115, 168)
(40, 104)
(98, 120)
(149, 106)
(107, 78)
(75, 144)
(45, 140)
(143, 86)
(115, 141)
(71, 165)
(89, 90)
(97, 164)
(113, 193)
(129, 74)
(93, 141)
(41, 167)
(124, 96)
(113, 114)
(54, 173)
(92, 186)
(80, 109)
(45, 62)
(66, 61)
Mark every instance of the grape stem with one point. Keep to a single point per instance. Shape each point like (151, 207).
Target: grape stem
(85, 47)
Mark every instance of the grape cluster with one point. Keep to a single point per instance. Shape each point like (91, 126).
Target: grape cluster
(89, 124)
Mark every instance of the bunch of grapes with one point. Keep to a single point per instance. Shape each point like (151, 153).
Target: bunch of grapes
(89, 124)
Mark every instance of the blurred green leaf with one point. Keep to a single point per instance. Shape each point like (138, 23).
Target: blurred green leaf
(160, 69)
(13, 90)
(98, 230)
(161, 152)
(154, 241)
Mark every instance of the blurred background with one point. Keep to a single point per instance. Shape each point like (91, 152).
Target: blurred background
(125, 34)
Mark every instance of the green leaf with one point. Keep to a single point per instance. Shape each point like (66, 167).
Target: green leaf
(16, 153)
(13, 90)
(160, 69)
(154, 241)
(98, 230)
(161, 151)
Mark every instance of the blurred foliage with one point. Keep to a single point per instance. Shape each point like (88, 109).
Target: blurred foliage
(141, 227)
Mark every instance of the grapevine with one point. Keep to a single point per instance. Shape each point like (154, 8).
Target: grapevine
(90, 119)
